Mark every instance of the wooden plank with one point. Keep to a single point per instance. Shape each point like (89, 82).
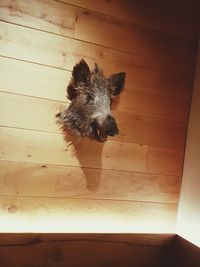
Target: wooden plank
(166, 161)
(60, 215)
(33, 80)
(45, 15)
(62, 52)
(154, 104)
(43, 147)
(82, 249)
(138, 102)
(170, 100)
(150, 130)
(177, 77)
(126, 36)
(39, 114)
(46, 82)
(22, 179)
(132, 239)
(166, 16)
(59, 18)
(29, 113)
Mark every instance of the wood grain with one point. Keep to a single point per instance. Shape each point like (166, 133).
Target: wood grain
(166, 161)
(33, 80)
(84, 215)
(39, 114)
(170, 100)
(61, 52)
(130, 183)
(44, 147)
(177, 76)
(154, 104)
(100, 29)
(166, 16)
(154, 240)
(96, 249)
(67, 20)
(47, 15)
(150, 130)
(28, 112)
(42, 81)
(22, 179)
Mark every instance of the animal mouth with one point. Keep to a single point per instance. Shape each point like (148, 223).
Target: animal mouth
(101, 132)
(111, 127)
(97, 131)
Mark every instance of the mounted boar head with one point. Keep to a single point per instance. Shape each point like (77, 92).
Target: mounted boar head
(91, 94)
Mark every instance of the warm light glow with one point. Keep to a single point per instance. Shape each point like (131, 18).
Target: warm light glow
(78, 224)
(188, 222)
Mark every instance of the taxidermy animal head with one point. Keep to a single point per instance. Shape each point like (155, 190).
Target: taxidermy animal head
(91, 94)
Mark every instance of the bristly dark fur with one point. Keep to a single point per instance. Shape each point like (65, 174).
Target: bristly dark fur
(117, 83)
(91, 93)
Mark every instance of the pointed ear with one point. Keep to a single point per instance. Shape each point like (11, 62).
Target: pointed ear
(96, 68)
(81, 74)
(71, 91)
(116, 83)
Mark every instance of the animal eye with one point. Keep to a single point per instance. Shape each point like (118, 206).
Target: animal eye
(90, 98)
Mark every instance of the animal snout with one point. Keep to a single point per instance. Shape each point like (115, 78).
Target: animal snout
(111, 128)
(101, 130)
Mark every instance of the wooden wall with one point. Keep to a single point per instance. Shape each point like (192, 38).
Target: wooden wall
(188, 219)
(130, 183)
(99, 250)
(83, 250)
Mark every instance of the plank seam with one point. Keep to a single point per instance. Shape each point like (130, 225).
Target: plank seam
(123, 112)
(92, 168)
(156, 29)
(92, 199)
(139, 84)
(42, 131)
(87, 42)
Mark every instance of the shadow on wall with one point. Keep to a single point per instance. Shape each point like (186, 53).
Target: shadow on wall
(88, 114)
(86, 151)
(180, 253)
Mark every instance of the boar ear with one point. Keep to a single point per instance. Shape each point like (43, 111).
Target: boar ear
(71, 90)
(80, 78)
(81, 74)
(96, 68)
(116, 83)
